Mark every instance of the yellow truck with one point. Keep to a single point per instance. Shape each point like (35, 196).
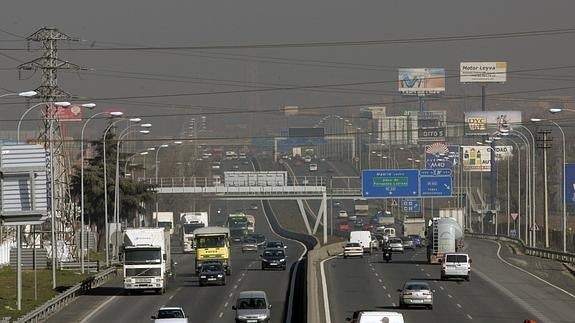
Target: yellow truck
(213, 244)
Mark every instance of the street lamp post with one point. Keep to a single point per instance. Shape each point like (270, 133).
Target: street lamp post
(58, 104)
(114, 113)
(124, 133)
(141, 153)
(156, 175)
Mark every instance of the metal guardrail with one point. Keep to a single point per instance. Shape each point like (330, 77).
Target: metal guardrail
(58, 302)
(567, 257)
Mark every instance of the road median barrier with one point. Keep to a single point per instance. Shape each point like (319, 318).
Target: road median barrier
(314, 291)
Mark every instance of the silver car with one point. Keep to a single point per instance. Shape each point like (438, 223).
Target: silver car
(250, 244)
(396, 244)
(252, 306)
(171, 315)
(416, 293)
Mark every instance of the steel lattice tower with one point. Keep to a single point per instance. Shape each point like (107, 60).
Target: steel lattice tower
(49, 91)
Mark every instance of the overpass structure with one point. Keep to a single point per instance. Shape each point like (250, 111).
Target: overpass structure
(295, 188)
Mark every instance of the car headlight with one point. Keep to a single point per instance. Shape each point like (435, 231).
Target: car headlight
(202, 276)
(282, 260)
(220, 275)
(265, 260)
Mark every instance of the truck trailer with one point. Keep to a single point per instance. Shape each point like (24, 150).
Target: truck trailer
(147, 261)
(444, 236)
(164, 220)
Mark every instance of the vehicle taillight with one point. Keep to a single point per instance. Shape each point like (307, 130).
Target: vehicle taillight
(427, 293)
(406, 293)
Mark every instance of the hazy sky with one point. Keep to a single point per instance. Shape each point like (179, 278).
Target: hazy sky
(166, 86)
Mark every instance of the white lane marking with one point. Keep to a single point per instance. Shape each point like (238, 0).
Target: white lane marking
(469, 316)
(389, 295)
(528, 273)
(376, 274)
(324, 289)
(458, 305)
(421, 269)
(393, 304)
(221, 314)
(384, 287)
(416, 265)
(381, 281)
(97, 309)
(441, 287)
(231, 294)
(449, 295)
(427, 274)
(235, 286)
(226, 304)
(170, 298)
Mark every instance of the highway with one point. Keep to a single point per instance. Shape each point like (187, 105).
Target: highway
(203, 304)
(497, 292)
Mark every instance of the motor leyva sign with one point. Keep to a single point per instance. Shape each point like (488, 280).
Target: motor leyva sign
(483, 72)
(421, 81)
(481, 123)
(478, 158)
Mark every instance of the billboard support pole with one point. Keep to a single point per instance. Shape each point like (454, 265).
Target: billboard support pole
(420, 97)
(493, 182)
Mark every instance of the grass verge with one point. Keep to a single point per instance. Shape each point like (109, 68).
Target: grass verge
(33, 294)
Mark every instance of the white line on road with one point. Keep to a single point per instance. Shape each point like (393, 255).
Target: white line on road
(226, 304)
(528, 273)
(458, 305)
(441, 287)
(389, 295)
(421, 269)
(427, 274)
(449, 295)
(324, 288)
(469, 316)
(235, 286)
(384, 287)
(381, 281)
(97, 309)
(376, 274)
(221, 314)
(231, 294)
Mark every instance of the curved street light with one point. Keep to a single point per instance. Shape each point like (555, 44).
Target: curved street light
(63, 104)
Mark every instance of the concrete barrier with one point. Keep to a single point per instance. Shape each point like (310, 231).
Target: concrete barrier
(315, 310)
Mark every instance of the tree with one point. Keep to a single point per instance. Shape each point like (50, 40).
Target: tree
(133, 194)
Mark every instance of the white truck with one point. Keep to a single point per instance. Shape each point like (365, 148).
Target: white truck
(147, 261)
(164, 220)
(251, 223)
(191, 221)
(444, 236)
(456, 213)
(414, 226)
(365, 239)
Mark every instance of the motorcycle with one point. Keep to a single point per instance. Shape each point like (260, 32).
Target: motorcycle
(387, 255)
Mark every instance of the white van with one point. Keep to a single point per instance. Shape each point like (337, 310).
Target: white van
(455, 265)
(365, 239)
(376, 317)
(313, 167)
(390, 232)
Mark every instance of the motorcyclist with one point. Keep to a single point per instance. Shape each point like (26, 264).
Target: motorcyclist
(387, 252)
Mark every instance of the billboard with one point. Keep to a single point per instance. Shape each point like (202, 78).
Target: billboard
(70, 113)
(478, 158)
(421, 81)
(483, 72)
(440, 155)
(430, 125)
(482, 123)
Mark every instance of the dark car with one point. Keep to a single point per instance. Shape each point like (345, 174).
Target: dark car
(275, 244)
(212, 273)
(273, 258)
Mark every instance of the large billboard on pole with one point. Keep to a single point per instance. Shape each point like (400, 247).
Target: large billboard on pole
(482, 123)
(478, 158)
(483, 72)
(421, 81)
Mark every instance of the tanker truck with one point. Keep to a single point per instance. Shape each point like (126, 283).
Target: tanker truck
(444, 235)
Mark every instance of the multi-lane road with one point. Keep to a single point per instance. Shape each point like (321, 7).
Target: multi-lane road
(497, 291)
(203, 304)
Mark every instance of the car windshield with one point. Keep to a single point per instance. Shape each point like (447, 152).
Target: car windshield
(456, 258)
(394, 240)
(251, 303)
(417, 286)
(170, 314)
(353, 244)
(274, 253)
(275, 244)
(211, 267)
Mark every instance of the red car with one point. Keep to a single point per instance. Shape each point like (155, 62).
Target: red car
(344, 226)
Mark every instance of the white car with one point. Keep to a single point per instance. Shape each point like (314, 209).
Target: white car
(456, 265)
(352, 249)
(170, 314)
(342, 214)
